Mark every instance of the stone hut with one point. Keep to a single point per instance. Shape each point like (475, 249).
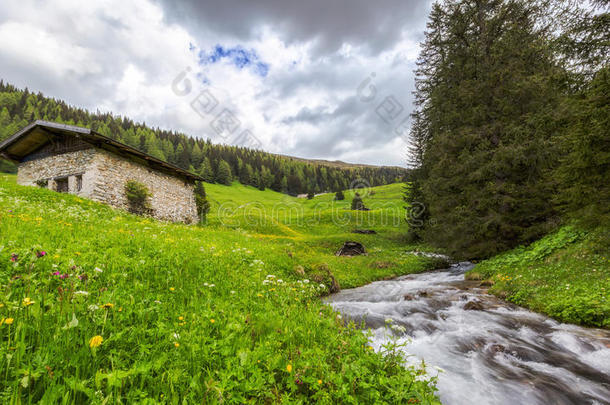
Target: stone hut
(79, 161)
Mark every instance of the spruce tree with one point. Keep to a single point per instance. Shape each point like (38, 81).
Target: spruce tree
(223, 174)
(481, 135)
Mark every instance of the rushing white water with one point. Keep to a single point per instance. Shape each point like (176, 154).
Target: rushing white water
(497, 354)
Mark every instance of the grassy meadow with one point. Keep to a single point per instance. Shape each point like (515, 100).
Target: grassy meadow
(100, 306)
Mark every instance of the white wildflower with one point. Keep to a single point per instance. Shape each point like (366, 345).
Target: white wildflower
(81, 293)
(97, 269)
(93, 307)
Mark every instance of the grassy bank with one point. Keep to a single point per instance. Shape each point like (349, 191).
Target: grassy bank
(565, 275)
(99, 306)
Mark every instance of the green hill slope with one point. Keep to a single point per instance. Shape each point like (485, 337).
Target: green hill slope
(99, 306)
(565, 275)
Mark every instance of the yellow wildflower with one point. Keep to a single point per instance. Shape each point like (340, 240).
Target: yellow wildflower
(259, 295)
(176, 344)
(289, 368)
(95, 341)
(8, 321)
(171, 288)
(319, 381)
(27, 301)
(212, 320)
(77, 253)
(108, 305)
(180, 318)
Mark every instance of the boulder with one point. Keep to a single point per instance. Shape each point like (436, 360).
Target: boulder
(474, 306)
(350, 248)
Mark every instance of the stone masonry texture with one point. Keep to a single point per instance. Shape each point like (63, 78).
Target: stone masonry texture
(102, 175)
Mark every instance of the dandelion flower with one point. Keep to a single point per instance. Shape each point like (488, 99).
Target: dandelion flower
(319, 381)
(95, 341)
(27, 301)
(180, 318)
(289, 368)
(171, 288)
(108, 305)
(176, 344)
(8, 321)
(212, 321)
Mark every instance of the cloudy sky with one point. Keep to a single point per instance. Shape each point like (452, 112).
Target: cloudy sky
(316, 79)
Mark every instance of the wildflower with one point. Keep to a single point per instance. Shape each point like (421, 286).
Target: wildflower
(319, 381)
(93, 307)
(108, 305)
(77, 253)
(57, 273)
(27, 302)
(95, 341)
(56, 256)
(212, 321)
(232, 291)
(8, 321)
(157, 302)
(289, 368)
(176, 336)
(14, 257)
(306, 281)
(176, 344)
(80, 292)
(259, 295)
(41, 253)
(180, 318)
(83, 277)
(171, 288)
(97, 269)
(64, 276)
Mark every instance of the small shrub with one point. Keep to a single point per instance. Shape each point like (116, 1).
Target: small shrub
(339, 196)
(138, 197)
(357, 203)
(201, 201)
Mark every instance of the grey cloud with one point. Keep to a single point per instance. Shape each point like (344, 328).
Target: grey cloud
(375, 24)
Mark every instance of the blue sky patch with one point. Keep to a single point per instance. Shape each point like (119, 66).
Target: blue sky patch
(238, 56)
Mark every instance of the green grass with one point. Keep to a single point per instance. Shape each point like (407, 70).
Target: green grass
(565, 275)
(184, 312)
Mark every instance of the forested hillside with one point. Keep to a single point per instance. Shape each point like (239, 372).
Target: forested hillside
(511, 135)
(215, 163)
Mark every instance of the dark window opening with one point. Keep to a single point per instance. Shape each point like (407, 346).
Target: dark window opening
(79, 182)
(61, 185)
(42, 183)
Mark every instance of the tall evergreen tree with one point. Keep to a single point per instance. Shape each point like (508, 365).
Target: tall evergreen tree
(223, 174)
(485, 96)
